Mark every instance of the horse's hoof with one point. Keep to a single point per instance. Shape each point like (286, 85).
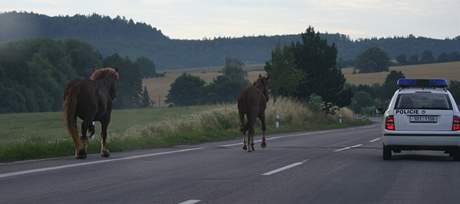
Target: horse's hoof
(81, 154)
(105, 153)
(263, 144)
(245, 147)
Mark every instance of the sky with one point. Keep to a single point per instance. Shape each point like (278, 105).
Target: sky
(198, 19)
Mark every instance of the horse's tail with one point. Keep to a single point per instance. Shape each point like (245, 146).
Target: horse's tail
(70, 115)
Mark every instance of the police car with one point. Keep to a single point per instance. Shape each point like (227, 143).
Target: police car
(422, 115)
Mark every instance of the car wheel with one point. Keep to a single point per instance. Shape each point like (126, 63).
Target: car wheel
(386, 152)
(456, 155)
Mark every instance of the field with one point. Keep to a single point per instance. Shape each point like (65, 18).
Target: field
(449, 71)
(159, 87)
(40, 135)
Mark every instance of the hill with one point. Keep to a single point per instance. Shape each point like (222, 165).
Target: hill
(135, 39)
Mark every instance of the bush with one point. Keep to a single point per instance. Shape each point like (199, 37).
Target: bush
(372, 60)
(315, 102)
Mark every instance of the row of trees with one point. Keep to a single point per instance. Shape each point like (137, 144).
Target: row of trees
(377, 60)
(427, 57)
(34, 73)
(192, 90)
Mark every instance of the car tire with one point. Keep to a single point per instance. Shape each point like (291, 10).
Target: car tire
(456, 155)
(386, 152)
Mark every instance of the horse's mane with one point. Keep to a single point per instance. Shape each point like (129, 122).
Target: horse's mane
(104, 72)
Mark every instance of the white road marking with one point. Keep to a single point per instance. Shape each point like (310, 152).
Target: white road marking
(358, 145)
(190, 202)
(347, 148)
(230, 145)
(375, 140)
(341, 149)
(284, 168)
(18, 173)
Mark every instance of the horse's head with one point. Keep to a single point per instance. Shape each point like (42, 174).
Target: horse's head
(107, 73)
(262, 85)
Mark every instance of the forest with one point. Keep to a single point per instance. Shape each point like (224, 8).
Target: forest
(34, 73)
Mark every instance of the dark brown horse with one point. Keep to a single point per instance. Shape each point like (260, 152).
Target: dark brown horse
(90, 100)
(252, 103)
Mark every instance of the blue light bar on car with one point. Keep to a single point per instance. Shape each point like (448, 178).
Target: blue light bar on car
(433, 83)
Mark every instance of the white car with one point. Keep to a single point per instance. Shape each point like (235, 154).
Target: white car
(422, 115)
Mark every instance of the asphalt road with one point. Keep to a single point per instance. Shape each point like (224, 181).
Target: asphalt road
(334, 166)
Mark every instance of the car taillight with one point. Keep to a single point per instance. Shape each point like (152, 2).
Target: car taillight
(456, 123)
(390, 123)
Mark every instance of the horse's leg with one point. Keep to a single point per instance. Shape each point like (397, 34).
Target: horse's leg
(104, 150)
(251, 132)
(92, 129)
(243, 129)
(76, 141)
(84, 139)
(263, 144)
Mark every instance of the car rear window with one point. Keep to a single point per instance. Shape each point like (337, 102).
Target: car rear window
(423, 100)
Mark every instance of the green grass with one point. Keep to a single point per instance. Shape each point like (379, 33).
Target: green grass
(40, 135)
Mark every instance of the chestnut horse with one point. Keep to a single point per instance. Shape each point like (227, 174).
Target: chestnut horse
(90, 100)
(252, 103)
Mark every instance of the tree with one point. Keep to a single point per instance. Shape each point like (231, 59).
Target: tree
(427, 57)
(84, 58)
(234, 69)
(284, 76)
(402, 59)
(186, 90)
(316, 60)
(454, 88)
(390, 84)
(129, 86)
(146, 66)
(454, 56)
(12, 101)
(443, 57)
(227, 87)
(360, 101)
(306, 68)
(413, 59)
(372, 60)
(146, 100)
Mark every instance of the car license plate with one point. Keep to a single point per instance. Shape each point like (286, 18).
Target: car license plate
(423, 118)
